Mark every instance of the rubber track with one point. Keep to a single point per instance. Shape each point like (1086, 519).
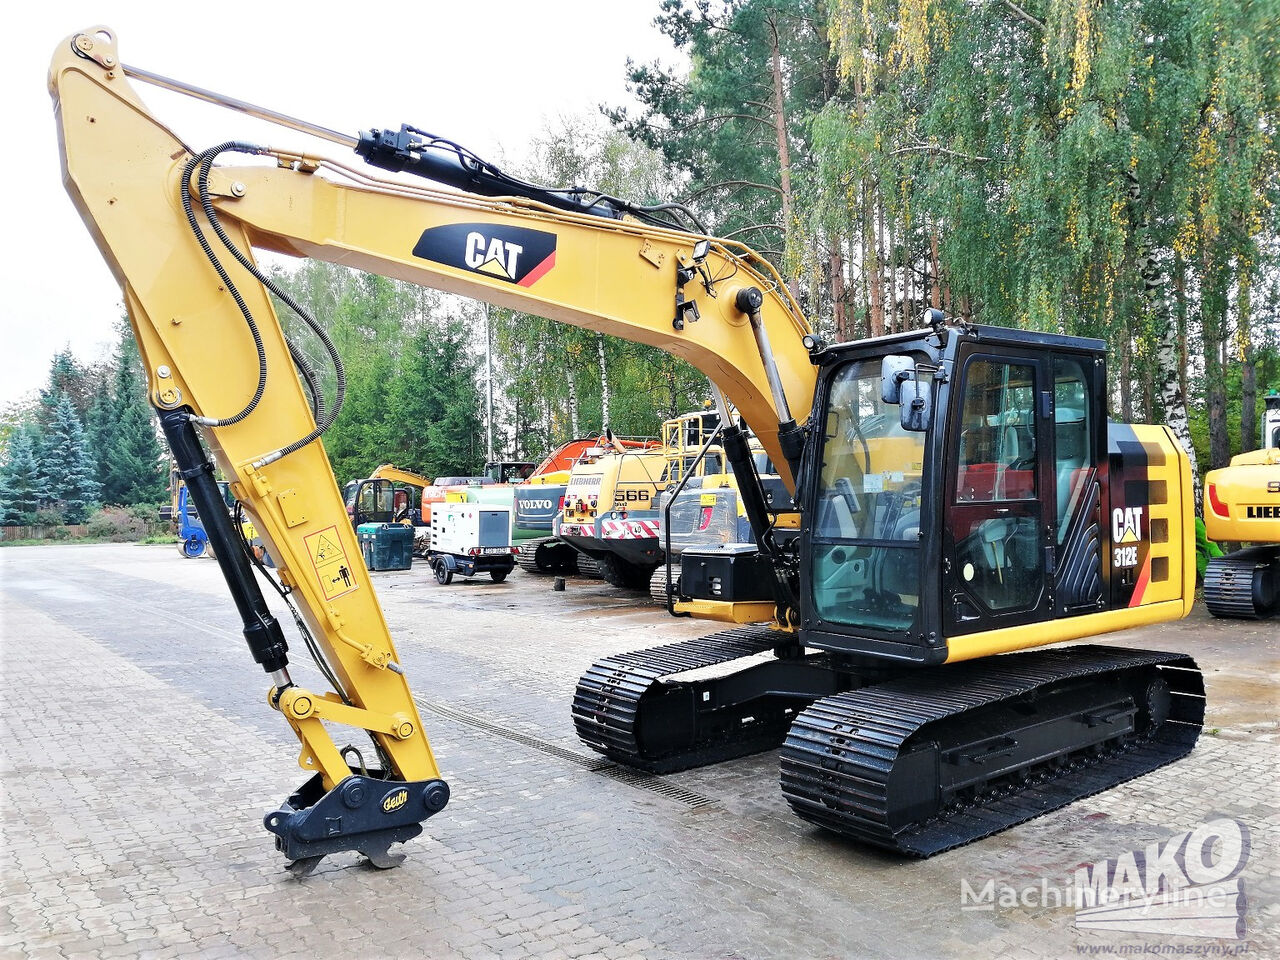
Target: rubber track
(658, 583)
(607, 701)
(526, 557)
(1229, 580)
(839, 753)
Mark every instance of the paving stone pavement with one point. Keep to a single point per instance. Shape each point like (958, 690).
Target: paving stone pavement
(137, 757)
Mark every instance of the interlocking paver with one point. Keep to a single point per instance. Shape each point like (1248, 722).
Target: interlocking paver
(137, 757)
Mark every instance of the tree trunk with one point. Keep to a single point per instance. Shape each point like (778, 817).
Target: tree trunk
(1170, 363)
(935, 294)
(1216, 392)
(1248, 373)
(1126, 378)
(838, 313)
(1174, 402)
(784, 152)
(548, 433)
(1148, 394)
(891, 260)
(573, 403)
(875, 274)
(488, 382)
(1180, 302)
(604, 381)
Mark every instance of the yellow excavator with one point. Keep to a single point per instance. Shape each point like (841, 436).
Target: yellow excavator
(608, 515)
(388, 495)
(1242, 505)
(959, 494)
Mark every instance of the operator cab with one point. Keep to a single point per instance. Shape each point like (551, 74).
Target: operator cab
(1271, 421)
(509, 471)
(953, 488)
(379, 501)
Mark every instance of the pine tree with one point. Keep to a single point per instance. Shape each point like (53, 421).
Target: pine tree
(20, 482)
(434, 404)
(65, 465)
(69, 377)
(99, 428)
(131, 465)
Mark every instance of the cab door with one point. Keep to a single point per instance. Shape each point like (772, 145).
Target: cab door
(998, 554)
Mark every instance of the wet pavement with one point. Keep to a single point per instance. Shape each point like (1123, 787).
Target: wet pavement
(139, 756)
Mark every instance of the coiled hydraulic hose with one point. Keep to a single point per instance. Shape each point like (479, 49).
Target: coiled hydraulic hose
(324, 418)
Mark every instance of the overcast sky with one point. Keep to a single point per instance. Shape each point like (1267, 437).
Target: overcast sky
(484, 73)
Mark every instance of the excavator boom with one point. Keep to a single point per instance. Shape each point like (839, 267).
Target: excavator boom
(222, 377)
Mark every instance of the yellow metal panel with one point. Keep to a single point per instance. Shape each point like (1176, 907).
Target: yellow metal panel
(1249, 493)
(389, 472)
(724, 612)
(293, 507)
(1057, 631)
(122, 169)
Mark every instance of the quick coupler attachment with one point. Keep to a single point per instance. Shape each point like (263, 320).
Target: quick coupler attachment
(363, 813)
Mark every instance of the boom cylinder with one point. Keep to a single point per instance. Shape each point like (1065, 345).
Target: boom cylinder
(261, 630)
(749, 300)
(737, 453)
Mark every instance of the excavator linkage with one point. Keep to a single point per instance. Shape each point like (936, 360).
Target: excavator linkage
(365, 813)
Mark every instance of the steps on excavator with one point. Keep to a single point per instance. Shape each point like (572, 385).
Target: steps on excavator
(1244, 585)
(941, 757)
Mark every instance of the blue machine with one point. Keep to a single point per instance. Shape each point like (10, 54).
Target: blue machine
(193, 541)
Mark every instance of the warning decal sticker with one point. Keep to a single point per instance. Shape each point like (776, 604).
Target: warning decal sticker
(330, 560)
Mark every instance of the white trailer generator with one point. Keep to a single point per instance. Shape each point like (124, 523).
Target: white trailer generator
(469, 539)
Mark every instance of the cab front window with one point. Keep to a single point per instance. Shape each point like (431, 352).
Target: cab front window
(866, 533)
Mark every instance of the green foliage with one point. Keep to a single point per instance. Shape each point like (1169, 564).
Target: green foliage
(1068, 153)
(433, 405)
(21, 489)
(122, 524)
(1206, 549)
(367, 326)
(66, 467)
(130, 457)
(99, 428)
(67, 378)
(550, 384)
(716, 124)
(411, 390)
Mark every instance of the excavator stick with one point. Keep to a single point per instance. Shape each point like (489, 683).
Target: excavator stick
(367, 811)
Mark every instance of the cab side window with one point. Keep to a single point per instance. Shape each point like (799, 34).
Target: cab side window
(997, 458)
(1071, 433)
